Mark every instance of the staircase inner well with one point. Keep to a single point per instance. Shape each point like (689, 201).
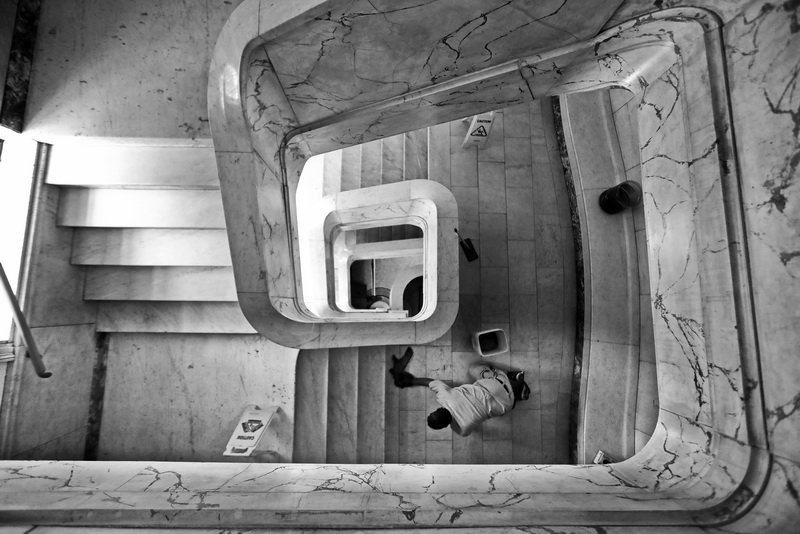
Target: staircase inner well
(513, 206)
(159, 275)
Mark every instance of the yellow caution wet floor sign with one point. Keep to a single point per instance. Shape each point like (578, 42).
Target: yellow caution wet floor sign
(479, 130)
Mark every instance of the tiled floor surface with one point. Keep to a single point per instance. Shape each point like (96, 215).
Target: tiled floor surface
(513, 206)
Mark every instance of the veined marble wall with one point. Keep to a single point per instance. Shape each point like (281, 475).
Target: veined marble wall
(763, 66)
(761, 43)
(123, 69)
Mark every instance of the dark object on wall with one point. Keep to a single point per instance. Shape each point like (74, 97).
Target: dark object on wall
(466, 245)
(15, 85)
(625, 195)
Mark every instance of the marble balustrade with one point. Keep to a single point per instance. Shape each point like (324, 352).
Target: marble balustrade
(268, 276)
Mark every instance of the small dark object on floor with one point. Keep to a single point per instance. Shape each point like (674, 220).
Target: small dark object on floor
(466, 245)
(488, 342)
(628, 194)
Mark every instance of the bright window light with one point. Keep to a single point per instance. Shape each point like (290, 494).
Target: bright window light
(16, 176)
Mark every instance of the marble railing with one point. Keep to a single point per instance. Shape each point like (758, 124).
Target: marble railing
(708, 463)
(260, 159)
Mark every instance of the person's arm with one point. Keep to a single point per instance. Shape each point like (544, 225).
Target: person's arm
(405, 379)
(421, 381)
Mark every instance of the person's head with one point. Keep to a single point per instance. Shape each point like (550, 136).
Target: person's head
(519, 386)
(439, 419)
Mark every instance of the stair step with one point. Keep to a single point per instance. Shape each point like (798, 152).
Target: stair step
(126, 165)
(438, 151)
(371, 411)
(160, 283)
(392, 159)
(311, 407)
(151, 247)
(332, 172)
(342, 406)
(351, 168)
(391, 410)
(371, 163)
(140, 208)
(415, 159)
(6, 351)
(172, 317)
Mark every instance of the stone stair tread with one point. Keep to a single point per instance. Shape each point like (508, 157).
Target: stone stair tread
(415, 155)
(332, 172)
(172, 317)
(151, 247)
(311, 407)
(140, 208)
(371, 163)
(351, 168)
(214, 284)
(391, 407)
(6, 350)
(342, 405)
(371, 411)
(438, 151)
(351, 387)
(103, 164)
(393, 159)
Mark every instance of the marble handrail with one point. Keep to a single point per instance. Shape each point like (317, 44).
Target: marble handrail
(647, 55)
(266, 249)
(262, 213)
(266, 266)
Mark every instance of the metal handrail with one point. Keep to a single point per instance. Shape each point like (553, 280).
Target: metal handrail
(22, 324)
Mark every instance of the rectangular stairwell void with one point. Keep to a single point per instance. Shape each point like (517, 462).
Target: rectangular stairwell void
(512, 204)
(517, 201)
(361, 247)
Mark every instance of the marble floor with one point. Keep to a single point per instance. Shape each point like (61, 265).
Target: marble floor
(513, 206)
